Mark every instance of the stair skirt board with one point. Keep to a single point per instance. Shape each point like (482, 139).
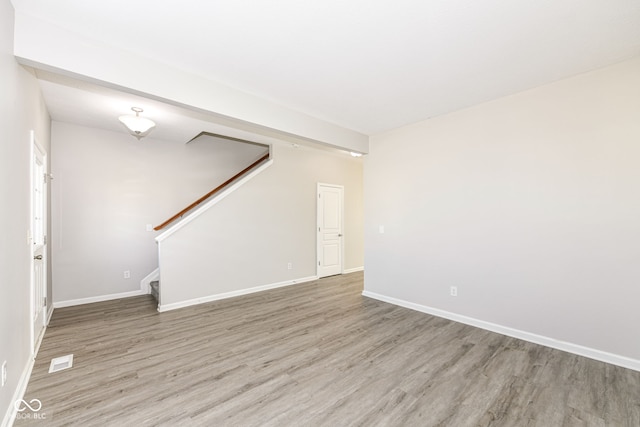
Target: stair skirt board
(225, 295)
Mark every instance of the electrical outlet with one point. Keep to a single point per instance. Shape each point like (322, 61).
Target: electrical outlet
(454, 291)
(127, 274)
(4, 373)
(289, 266)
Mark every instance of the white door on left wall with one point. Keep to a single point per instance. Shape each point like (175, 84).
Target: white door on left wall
(38, 240)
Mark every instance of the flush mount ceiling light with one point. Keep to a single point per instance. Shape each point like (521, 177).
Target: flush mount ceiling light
(354, 154)
(136, 125)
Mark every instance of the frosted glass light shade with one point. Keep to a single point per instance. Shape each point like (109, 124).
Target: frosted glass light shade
(137, 126)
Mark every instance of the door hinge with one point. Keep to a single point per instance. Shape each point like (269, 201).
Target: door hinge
(44, 240)
(45, 301)
(318, 262)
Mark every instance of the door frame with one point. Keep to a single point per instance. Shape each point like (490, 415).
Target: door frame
(45, 194)
(318, 232)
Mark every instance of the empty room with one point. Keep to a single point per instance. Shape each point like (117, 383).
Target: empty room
(419, 213)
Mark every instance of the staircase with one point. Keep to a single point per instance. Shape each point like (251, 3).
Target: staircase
(155, 290)
(197, 208)
(213, 192)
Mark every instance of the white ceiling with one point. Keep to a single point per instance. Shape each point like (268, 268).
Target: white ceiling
(367, 65)
(76, 101)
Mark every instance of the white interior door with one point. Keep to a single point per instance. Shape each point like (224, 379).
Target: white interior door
(330, 229)
(38, 238)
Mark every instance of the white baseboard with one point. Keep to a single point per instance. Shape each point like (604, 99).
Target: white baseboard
(602, 356)
(100, 298)
(10, 416)
(49, 314)
(195, 301)
(352, 270)
(145, 284)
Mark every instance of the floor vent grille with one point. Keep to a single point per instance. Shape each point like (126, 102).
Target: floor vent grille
(61, 363)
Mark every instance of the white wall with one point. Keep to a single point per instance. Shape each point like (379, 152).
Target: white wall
(248, 238)
(21, 110)
(108, 186)
(529, 204)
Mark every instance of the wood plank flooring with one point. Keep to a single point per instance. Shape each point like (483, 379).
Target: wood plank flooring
(314, 354)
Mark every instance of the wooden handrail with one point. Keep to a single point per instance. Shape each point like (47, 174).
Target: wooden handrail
(212, 192)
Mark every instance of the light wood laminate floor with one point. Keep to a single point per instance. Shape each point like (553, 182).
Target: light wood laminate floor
(314, 354)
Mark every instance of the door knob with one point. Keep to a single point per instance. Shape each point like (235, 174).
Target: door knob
(37, 257)
(339, 235)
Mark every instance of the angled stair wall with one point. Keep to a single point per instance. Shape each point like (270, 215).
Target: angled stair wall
(244, 240)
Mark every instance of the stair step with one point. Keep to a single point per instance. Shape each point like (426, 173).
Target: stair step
(155, 289)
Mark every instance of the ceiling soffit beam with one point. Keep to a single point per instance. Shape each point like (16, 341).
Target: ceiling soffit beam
(77, 56)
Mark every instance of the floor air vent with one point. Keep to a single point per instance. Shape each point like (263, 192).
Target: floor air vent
(61, 363)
